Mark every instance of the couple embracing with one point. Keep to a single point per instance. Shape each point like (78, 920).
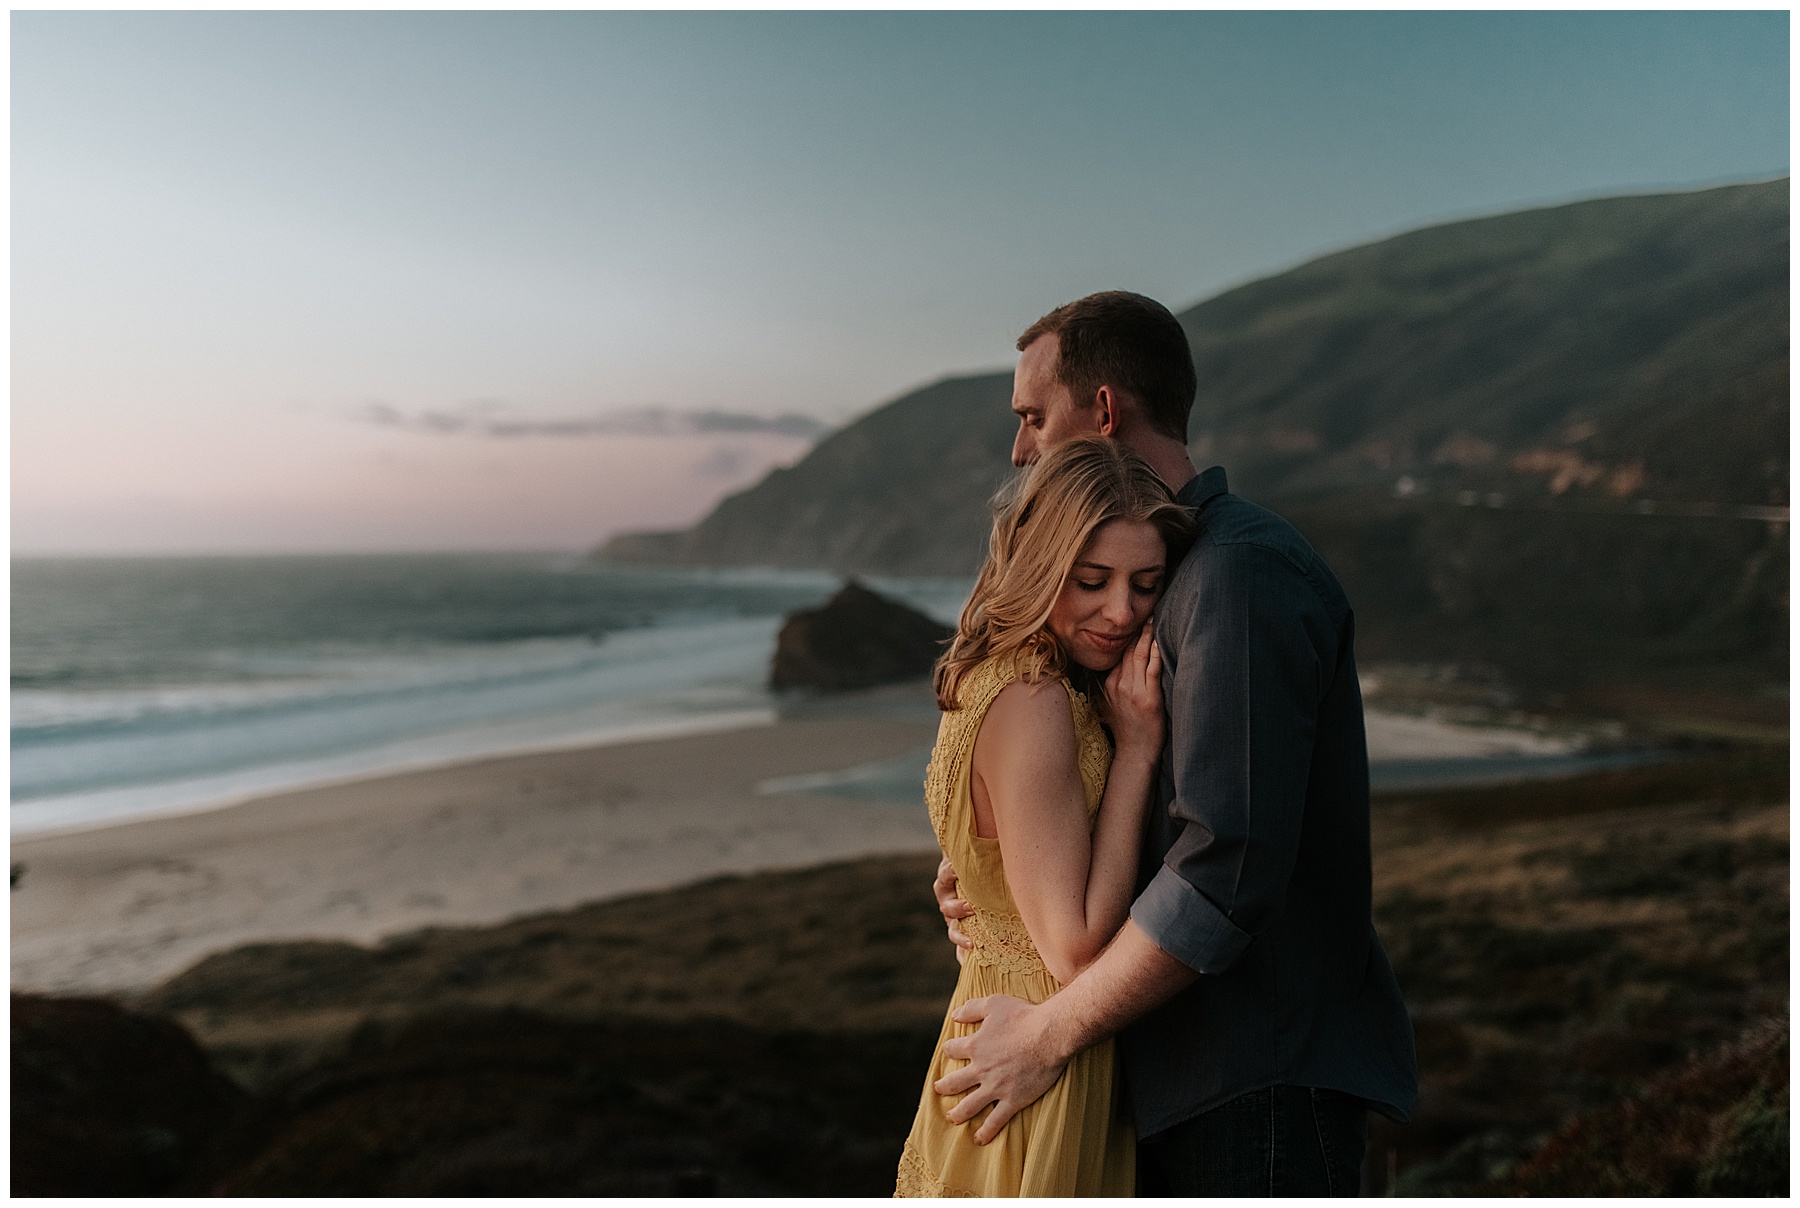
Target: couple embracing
(1151, 788)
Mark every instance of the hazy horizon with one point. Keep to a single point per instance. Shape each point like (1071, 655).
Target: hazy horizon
(470, 282)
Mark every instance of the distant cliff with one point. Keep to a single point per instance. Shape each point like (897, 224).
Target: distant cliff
(1518, 438)
(901, 491)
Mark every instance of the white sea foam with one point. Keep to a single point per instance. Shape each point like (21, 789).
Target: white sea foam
(83, 758)
(245, 718)
(301, 679)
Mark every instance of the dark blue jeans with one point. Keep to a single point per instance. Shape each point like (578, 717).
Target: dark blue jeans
(1284, 1140)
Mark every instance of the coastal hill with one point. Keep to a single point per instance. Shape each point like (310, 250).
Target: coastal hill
(1553, 441)
(902, 490)
(1633, 347)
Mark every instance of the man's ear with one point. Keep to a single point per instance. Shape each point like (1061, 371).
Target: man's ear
(1111, 411)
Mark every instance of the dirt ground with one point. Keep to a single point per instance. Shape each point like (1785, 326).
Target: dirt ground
(1562, 945)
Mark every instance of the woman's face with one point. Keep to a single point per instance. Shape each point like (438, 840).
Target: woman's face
(1109, 594)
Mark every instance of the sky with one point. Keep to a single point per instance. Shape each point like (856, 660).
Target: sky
(339, 281)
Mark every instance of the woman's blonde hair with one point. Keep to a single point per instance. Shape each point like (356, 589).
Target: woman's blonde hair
(1043, 519)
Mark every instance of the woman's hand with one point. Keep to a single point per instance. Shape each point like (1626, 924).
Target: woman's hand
(1134, 702)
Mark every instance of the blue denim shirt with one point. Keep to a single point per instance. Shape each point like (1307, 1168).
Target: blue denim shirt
(1256, 856)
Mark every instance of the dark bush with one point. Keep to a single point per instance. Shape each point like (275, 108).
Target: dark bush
(108, 1102)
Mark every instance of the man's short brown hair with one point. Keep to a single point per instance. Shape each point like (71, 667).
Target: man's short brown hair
(1126, 341)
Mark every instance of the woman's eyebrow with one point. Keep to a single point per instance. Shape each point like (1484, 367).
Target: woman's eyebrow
(1142, 570)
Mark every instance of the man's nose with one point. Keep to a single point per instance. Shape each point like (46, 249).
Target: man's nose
(1024, 447)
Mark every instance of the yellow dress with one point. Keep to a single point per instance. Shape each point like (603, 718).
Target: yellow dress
(1077, 1140)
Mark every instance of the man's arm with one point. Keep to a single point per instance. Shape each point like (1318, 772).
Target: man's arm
(1254, 661)
(1021, 1050)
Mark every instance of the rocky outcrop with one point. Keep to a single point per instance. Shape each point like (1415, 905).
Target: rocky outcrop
(107, 1102)
(856, 640)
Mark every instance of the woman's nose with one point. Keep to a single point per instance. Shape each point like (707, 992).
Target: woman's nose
(1118, 608)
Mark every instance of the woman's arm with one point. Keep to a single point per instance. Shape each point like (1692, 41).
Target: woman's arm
(1073, 887)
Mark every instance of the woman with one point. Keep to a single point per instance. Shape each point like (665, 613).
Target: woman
(1038, 810)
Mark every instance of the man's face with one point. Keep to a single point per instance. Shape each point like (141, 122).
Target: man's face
(1046, 410)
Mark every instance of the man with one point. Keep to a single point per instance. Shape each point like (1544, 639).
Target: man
(1259, 1017)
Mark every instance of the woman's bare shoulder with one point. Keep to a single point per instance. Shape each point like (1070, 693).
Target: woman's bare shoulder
(1030, 713)
(1025, 756)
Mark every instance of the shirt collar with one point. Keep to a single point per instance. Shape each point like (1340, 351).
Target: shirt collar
(1202, 488)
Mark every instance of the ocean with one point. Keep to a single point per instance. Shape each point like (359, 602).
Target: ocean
(161, 685)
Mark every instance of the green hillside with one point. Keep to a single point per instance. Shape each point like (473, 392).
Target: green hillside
(1551, 347)
(1549, 440)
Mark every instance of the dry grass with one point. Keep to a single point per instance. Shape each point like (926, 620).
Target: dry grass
(848, 947)
(1561, 945)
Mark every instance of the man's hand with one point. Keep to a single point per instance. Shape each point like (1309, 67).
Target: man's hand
(1012, 1062)
(952, 908)
(1021, 1050)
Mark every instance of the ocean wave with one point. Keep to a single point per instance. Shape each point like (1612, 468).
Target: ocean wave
(155, 736)
(154, 685)
(279, 680)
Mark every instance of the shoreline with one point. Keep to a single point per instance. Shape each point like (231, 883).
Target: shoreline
(116, 908)
(1396, 739)
(117, 904)
(718, 723)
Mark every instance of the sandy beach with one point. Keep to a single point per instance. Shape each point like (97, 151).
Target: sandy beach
(119, 908)
(123, 907)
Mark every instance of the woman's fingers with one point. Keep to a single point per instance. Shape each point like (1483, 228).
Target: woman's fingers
(1141, 653)
(1133, 688)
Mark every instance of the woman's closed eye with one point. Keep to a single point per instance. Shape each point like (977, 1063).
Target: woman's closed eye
(1143, 587)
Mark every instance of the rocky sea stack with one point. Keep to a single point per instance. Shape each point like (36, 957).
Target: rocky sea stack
(858, 639)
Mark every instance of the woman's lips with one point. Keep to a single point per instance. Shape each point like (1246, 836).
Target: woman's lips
(1105, 642)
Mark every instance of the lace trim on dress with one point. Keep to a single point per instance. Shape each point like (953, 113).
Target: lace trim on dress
(1002, 941)
(1093, 752)
(955, 747)
(916, 1182)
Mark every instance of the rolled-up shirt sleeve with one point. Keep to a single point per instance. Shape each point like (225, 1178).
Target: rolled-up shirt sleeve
(1246, 666)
